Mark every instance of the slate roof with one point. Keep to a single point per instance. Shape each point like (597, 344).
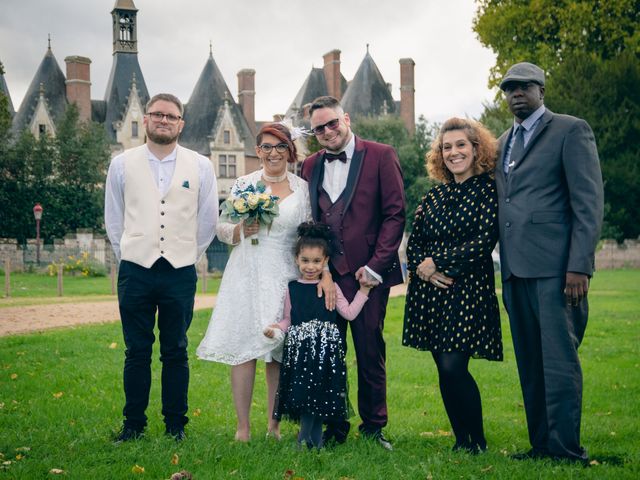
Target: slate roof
(313, 87)
(125, 66)
(5, 90)
(55, 93)
(201, 111)
(367, 92)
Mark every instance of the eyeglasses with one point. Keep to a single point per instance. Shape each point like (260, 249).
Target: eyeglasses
(158, 117)
(331, 125)
(280, 148)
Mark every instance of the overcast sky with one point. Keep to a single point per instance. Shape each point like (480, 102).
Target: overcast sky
(280, 39)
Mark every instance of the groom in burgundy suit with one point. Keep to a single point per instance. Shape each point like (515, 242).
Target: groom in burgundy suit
(356, 188)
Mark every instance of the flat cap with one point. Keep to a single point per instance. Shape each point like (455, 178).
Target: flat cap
(523, 72)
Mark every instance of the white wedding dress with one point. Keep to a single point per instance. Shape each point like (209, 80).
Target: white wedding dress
(254, 282)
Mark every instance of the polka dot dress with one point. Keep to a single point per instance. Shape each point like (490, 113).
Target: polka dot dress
(457, 227)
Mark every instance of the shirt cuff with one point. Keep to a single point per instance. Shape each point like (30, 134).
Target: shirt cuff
(373, 274)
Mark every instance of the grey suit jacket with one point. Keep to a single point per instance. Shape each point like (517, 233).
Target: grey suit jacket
(551, 203)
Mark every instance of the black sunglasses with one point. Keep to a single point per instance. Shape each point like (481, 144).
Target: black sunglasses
(331, 125)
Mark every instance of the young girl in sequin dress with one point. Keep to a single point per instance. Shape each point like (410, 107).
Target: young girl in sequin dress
(313, 374)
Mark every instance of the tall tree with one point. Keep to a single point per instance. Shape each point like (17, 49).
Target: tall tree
(590, 50)
(65, 174)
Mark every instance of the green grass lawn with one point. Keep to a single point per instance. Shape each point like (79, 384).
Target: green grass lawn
(61, 399)
(36, 288)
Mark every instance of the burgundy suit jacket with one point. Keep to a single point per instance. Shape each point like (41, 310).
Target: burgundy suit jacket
(374, 215)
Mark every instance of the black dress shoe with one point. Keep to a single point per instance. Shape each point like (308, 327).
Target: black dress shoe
(177, 433)
(128, 433)
(336, 433)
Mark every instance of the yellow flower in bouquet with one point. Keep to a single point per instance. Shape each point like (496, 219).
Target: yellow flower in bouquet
(252, 203)
(240, 205)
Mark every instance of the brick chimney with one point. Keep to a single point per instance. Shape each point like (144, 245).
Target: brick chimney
(79, 85)
(332, 73)
(247, 96)
(407, 94)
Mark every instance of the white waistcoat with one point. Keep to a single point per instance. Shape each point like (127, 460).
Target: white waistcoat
(156, 226)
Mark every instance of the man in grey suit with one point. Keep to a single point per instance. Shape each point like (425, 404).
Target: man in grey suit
(550, 214)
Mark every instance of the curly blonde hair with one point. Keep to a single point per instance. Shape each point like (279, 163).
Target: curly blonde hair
(485, 144)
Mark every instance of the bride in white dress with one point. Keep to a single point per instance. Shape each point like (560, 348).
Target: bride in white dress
(254, 283)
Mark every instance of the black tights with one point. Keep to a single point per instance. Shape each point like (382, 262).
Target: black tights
(461, 399)
(310, 430)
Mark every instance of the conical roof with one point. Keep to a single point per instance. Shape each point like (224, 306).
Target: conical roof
(368, 93)
(52, 79)
(314, 86)
(5, 90)
(203, 107)
(124, 70)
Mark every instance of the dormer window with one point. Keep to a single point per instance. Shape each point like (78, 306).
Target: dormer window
(134, 129)
(226, 137)
(42, 129)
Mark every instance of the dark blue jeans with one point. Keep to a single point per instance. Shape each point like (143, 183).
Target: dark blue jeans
(141, 293)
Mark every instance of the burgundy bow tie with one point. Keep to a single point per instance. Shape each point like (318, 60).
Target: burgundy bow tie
(330, 157)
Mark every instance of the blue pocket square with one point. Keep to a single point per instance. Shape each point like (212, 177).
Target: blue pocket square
(185, 184)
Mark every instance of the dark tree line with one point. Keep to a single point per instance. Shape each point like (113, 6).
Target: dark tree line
(590, 50)
(65, 174)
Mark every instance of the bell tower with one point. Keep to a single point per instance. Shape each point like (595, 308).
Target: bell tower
(125, 35)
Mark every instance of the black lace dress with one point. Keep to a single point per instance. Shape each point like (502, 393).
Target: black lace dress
(313, 375)
(457, 227)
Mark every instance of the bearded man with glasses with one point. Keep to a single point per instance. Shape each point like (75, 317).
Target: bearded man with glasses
(161, 210)
(356, 188)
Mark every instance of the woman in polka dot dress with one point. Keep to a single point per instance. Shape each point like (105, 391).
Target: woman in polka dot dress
(451, 307)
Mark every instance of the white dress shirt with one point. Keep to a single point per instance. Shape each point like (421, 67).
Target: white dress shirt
(163, 174)
(336, 172)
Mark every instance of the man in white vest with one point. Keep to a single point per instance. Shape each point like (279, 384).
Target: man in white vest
(161, 209)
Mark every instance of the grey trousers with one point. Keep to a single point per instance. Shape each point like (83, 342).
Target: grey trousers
(546, 335)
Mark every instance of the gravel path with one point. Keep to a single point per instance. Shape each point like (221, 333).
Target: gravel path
(36, 318)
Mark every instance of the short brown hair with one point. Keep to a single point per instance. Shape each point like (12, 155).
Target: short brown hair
(167, 97)
(282, 133)
(485, 144)
(324, 102)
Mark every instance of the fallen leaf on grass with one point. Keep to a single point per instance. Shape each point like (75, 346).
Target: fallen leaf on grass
(19, 456)
(233, 472)
(137, 469)
(14, 376)
(444, 433)
(175, 459)
(426, 434)
(7, 462)
(594, 462)
(429, 476)
(182, 475)
(1, 405)
(23, 449)
(613, 434)
(58, 394)
(197, 412)
(486, 469)
(113, 346)
(288, 474)
(57, 471)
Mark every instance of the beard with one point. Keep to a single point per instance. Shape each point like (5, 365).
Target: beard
(161, 138)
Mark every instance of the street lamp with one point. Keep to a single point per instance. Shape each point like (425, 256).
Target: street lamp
(37, 213)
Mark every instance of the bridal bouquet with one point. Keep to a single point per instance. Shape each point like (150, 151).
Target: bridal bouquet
(253, 204)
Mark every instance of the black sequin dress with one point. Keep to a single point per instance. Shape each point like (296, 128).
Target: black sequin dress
(457, 227)
(313, 374)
